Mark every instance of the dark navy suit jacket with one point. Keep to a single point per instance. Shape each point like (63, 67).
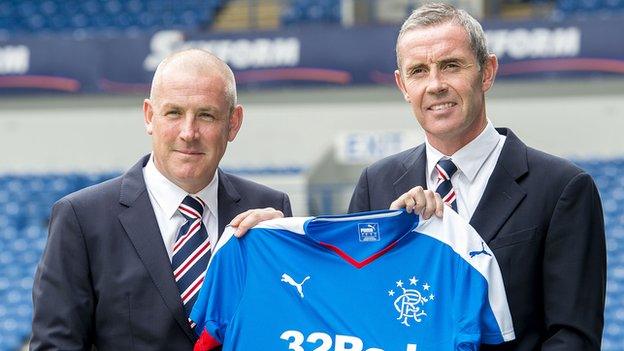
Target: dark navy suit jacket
(105, 279)
(542, 217)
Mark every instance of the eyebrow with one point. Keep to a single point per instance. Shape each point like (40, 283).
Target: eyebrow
(452, 59)
(170, 106)
(438, 63)
(414, 66)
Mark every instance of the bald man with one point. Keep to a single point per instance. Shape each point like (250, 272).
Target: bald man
(125, 258)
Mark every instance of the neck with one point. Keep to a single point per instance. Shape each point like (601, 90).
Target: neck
(196, 185)
(193, 188)
(448, 145)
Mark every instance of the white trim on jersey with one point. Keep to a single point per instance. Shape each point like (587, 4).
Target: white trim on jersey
(454, 231)
(292, 224)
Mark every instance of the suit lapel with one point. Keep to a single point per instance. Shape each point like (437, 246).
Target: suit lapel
(502, 193)
(415, 165)
(228, 201)
(141, 227)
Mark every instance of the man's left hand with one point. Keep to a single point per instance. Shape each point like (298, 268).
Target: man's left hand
(421, 201)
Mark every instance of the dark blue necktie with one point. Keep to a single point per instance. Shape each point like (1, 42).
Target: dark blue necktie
(446, 169)
(191, 252)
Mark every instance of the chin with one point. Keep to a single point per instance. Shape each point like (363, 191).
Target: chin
(443, 129)
(183, 172)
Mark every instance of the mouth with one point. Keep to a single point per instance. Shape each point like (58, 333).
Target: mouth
(441, 106)
(189, 152)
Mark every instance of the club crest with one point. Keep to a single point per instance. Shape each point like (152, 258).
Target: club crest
(411, 301)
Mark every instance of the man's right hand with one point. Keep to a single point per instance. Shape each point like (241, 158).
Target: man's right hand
(248, 219)
(421, 201)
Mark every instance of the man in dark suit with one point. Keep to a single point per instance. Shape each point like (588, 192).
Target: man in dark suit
(106, 279)
(540, 215)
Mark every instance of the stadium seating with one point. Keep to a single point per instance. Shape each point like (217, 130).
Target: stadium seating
(114, 16)
(25, 203)
(97, 16)
(26, 200)
(580, 8)
(611, 185)
(311, 11)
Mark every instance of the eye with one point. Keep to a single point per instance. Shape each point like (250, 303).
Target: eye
(417, 71)
(206, 116)
(172, 113)
(451, 66)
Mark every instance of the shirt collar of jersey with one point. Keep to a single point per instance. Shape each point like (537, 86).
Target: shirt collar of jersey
(169, 196)
(470, 158)
(336, 233)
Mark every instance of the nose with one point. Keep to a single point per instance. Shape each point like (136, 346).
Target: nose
(436, 85)
(188, 129)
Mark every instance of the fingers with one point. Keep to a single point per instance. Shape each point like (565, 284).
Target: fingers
(251, 218)
(413, 200)
(439, 205)
(236, 221)
(421, 201)
(430, 204)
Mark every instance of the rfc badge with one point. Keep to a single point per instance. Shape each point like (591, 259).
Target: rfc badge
(411, 301)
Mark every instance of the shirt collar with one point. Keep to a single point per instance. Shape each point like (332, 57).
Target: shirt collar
(470, 158)
(169, 196)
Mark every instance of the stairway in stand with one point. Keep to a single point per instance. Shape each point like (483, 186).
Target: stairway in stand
(248, 15)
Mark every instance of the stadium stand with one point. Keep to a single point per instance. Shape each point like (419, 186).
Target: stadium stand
(111, 16)
(93, 16)
(114, 16)
(26, 200)
(25, 204)
(310, 11)
(581, 8)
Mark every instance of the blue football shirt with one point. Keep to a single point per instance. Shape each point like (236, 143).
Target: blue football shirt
(370, 281)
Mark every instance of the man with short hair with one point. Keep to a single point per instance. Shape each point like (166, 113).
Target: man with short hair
(540, 215)
(125, 259)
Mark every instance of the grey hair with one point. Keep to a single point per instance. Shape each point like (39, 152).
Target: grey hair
(433, 14)
(202, 60)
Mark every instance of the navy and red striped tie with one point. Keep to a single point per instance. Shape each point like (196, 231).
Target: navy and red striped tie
(191, 252)
(446, 169)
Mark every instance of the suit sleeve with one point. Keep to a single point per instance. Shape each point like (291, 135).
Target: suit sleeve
(63, 299)
(220, 295)
(575, 269)
(286, 206)
(360, 200)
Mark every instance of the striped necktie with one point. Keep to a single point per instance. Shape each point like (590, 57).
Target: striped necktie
(191, 252)
(446, 169)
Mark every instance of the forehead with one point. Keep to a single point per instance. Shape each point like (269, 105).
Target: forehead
(433, 43)
(191, 90)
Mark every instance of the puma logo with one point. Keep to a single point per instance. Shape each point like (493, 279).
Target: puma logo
(288, 279)
(475, 253)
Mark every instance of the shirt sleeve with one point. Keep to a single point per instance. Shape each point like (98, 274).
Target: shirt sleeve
(220, 294)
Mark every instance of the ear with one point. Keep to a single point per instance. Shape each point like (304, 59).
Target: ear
(489, 72)
(148, 116)
(236, 120)
(398, 79)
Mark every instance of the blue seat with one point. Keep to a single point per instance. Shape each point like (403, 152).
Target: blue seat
(104, 16)
(308, 11)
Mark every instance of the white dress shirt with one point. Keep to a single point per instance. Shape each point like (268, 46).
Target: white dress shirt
(475, 163)
(166, 197)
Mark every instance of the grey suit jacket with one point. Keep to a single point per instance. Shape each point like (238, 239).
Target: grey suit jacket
(105, 279)
(542, 217)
